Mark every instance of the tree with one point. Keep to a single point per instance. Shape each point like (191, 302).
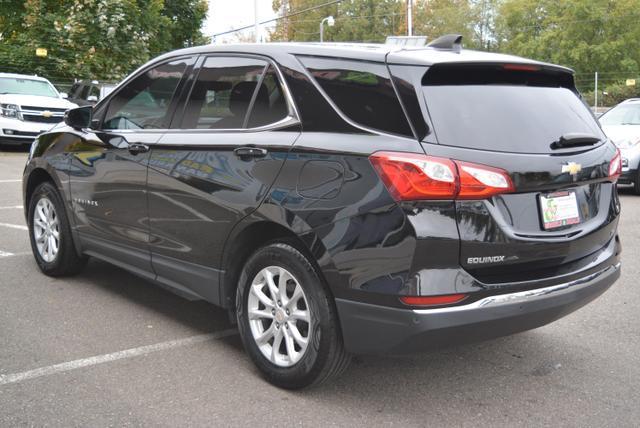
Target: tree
(355, 20)
(586, 35)
(103, 39)
(179, 25)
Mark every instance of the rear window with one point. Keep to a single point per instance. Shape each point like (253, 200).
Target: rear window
(498, 109)
(362, 91)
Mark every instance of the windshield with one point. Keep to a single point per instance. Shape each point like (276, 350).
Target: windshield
(12, 85)
(507, 118)
(623, 114)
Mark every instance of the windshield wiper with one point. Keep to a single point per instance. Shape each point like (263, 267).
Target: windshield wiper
(574, 139)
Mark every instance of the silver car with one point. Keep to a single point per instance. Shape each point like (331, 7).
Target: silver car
(622, 126)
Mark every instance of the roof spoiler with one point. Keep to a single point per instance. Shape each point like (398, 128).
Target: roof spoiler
(450, 42)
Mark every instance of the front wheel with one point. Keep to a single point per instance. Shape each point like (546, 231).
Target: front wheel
(287, 320)
(50, 233)
(636, 183)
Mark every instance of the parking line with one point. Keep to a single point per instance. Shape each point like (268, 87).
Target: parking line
(10, 181)
(106, 358)
(14, 207)
(5, 254)
(14, 226)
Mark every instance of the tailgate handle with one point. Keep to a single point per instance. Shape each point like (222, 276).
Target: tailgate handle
(250, 152)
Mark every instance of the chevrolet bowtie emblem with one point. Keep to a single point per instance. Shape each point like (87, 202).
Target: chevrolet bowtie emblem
(47, 113)
(572, 168)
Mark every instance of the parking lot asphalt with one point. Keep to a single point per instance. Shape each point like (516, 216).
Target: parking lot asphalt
(105, 348)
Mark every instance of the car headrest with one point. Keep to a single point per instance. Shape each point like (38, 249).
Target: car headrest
(240, 97)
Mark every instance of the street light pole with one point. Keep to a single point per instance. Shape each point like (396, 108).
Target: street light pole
(595, 94)
(255, 20)
(409, 18)
(330, 22)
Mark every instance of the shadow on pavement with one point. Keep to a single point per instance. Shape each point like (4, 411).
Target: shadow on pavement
(197, 315)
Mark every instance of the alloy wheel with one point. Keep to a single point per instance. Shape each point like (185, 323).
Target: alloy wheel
(46, 230)
(279, 316)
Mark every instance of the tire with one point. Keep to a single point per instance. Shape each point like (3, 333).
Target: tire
(636, 183)
(46, 217)
(323, 356)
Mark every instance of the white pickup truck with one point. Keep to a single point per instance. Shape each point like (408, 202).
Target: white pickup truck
(29, 105)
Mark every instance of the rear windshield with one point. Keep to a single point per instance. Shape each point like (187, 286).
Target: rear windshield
(515, 111)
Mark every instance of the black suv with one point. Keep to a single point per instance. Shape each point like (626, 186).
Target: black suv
(338, 199)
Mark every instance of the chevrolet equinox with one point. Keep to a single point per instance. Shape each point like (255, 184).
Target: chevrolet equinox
(338, 199)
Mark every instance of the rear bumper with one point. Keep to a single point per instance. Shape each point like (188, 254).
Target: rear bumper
(628, 176)
(373, 329)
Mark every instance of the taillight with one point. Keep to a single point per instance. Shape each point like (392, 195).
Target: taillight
(615, 166)
(445, 299)
(480, 181)
(411, 176)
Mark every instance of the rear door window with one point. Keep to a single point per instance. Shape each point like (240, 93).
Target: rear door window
(490, 108)
(222, 93)
(362, 91)
(234, 93)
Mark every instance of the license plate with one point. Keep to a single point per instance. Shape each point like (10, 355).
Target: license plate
(559, 209)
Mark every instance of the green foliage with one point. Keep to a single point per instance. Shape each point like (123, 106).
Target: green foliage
(586, 35)
(104, 39)
(614, 94)
(355, 20)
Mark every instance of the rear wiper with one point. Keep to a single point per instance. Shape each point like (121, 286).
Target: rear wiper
(574, 139)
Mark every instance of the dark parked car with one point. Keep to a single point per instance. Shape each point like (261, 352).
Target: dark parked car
(339, 199)
(89, 92)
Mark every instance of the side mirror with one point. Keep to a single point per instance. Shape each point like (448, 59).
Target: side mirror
(79, 117)
(92, 99)
(64, 95)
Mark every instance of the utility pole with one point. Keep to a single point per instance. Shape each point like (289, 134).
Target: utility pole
(255, 18)
(595, 93)
(409, 18)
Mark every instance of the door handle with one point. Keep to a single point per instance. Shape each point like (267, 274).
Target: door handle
(136, 148)
(250, 152)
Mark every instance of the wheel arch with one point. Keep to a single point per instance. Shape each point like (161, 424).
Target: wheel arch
(40, 172)
(249, 236)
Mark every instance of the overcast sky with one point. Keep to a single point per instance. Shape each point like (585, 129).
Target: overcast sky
(229, 14)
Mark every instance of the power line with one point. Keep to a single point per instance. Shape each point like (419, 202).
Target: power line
(309, 9)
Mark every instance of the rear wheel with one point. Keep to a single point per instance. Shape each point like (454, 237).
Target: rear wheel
(50, 233)
(287, 320)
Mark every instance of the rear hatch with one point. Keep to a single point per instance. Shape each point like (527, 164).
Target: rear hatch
(528, 120)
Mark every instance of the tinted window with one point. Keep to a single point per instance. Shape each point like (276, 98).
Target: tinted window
(270, 105)
(144, 102)
(223, 92)
(95, 92)
(523, 114)
(74, 89)
(85, 92)
(362, 91)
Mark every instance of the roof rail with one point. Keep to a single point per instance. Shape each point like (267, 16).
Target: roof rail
(406, 40)
(450, 42)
